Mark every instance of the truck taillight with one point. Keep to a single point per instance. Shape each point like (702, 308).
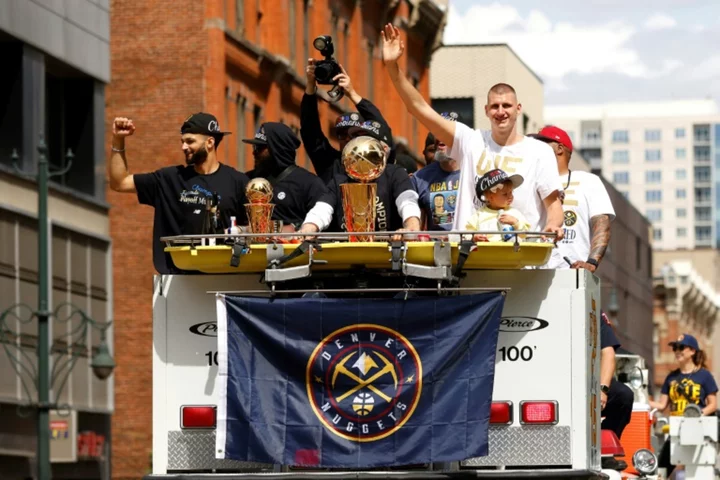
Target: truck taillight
(501, 413)
(539, 413)
(198, 416)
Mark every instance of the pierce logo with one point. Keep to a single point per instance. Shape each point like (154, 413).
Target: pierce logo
(522, 324)
(206, 329)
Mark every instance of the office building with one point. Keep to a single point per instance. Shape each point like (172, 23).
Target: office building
(56, 64)
(243, 61)
(663, 156)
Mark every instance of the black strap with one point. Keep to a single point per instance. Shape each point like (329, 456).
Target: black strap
(465, 247)
(300, 250)
(283, 175)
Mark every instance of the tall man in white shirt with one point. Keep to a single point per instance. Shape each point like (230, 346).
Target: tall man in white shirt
(587, 209)
(479, 151)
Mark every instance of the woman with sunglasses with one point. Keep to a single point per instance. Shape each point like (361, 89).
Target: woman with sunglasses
(690, 383)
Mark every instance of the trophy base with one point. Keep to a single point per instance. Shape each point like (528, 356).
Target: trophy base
(359, 209)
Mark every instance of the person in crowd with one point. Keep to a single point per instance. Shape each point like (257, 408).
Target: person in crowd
(479, 151)
(407, 162)
(588, 211)
(180, 194)
(430, 148)
(495, 189)
(438, 183)
(295, 190)
(616, 399)
(324, 157)
(396, 206)
(689, 384)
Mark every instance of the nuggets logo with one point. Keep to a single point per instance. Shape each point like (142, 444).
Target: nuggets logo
(570, 218)
(364, 382)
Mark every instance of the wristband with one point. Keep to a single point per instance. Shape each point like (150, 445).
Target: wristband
(592, 262)
(119, 150)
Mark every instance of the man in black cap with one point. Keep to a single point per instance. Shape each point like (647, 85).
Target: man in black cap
(325, 158)
(396, 207)
(295, 190)
(196, 198)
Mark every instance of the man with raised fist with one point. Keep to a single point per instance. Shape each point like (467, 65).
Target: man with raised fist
(182, 195)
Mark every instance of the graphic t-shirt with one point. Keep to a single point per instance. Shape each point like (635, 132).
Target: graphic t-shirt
(687, 388)
(437, 190)
(478, 153)
(585, 197)
(179, 195)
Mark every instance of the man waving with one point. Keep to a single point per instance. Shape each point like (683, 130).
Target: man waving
(479, 151)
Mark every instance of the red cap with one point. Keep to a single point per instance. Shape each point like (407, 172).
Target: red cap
(554, 134)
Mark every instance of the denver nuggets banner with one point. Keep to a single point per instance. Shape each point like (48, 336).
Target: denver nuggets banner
(356, 383)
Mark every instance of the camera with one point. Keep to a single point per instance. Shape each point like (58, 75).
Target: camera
(327, 69)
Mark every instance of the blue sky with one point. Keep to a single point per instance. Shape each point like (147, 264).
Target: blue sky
(593, 51)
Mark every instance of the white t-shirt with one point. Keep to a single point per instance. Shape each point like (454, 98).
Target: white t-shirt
(478, 153)
(585, 197)
(486, 220)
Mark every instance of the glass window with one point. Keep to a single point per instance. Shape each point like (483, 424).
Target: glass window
(653, 196)
(703, 233)
(621, 178)
(680, 153)
(620, 136)
(653, 155)
(703, 214)
(680, 174)
(702, 174)
(681, 232)
(652, 135)
(657, 233)
(702, 133)
(621, 156)
(681, 213)
(680, 132)
(653, 176)
(680, 193)
(703, 195)
(702, 154)
(654, 215)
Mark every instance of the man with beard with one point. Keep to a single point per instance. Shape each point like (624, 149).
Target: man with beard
(480, 151)
(396, 206)
(325, 158)
(438, 183)
(180, 193)
(295, 190)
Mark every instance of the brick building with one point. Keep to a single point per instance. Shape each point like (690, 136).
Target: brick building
(243, 61)
(684, 303)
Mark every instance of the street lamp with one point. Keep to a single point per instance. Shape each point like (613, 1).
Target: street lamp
(67, 351)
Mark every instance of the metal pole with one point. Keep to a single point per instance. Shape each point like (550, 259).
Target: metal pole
(43, 314)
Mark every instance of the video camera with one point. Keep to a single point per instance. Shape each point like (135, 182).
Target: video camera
(326, 69)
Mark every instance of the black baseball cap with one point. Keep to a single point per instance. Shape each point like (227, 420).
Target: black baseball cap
(496, 177)
(377, 130)
(202, 123)
(347, 120)
(259, 139)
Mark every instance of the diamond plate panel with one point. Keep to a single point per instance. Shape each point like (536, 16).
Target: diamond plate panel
(518, 446)
(195, 450)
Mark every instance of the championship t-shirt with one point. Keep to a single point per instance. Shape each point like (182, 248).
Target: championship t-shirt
(179, 195)
(585, 197)
(437, 191)
(478, 153)
(686, 388)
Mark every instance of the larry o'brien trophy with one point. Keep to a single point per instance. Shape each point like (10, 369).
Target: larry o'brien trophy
(259, 210)
(364, 160)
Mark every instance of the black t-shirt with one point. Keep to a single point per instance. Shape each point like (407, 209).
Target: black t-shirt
(295, 194)
(390, 185)
(179, 196)
(607, 334)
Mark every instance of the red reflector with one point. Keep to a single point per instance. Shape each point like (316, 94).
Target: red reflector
(198, 416)
(501, 413)
(610, 445)
(538, 412)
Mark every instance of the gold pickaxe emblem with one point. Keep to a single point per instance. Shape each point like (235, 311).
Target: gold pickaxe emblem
(388, 368)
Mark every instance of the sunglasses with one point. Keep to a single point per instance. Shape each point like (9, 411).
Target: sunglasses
(679, 348)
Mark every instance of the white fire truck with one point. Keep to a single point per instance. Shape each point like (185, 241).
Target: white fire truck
(545, 416)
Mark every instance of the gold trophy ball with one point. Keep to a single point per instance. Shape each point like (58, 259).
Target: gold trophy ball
(364, 159)
(258, 191)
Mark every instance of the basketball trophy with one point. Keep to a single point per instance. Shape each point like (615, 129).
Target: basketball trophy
(259, 210)
(364, 160)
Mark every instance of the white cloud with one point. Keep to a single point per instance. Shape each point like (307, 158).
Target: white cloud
(660, 21)
(554, 50)
(709, 69)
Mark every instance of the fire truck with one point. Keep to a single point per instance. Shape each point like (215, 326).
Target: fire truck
(545, 414)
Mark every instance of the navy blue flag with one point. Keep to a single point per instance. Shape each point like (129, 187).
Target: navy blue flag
(356, 383)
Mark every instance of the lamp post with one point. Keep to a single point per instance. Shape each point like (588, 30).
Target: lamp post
(67, 352)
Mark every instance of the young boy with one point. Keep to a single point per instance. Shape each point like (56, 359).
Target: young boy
(495, 189)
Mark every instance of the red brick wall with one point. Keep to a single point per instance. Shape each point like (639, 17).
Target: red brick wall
(171, 59)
